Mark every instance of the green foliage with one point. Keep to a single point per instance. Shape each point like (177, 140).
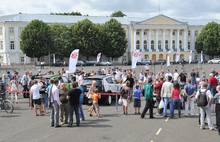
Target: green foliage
(117, 14)
(114, 39)
(36, 38)
(62, 40)
(86, 36)
(208, 40)
(72, 13)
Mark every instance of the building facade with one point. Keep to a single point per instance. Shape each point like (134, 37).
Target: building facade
(153, 36)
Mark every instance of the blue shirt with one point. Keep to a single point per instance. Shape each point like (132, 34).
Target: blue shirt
(203, 76)
(48, 87)
(191, 89)
(137, 94)
(9, 76)
(81, 97)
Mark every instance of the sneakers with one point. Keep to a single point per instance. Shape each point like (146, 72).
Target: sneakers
(214, 129)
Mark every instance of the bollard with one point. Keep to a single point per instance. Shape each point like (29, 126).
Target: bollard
(117, 103)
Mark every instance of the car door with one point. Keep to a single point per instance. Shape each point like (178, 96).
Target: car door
(112, 85)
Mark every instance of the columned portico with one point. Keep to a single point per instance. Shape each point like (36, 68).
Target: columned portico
(171, 39)
(193, 43)
(149, 40)
(186, 40)
(135, 39)
(164, 37)
(157, 40)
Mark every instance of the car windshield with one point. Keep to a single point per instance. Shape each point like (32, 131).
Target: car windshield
(89, 82)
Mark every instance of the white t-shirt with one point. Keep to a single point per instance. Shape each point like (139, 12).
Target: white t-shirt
(145, 79)
(35, 90)
(118, 74)
(168, 74)
(208, 95)
(80, 80)
(175, 76)
(146, 67)
(124, 77)
(141, 76)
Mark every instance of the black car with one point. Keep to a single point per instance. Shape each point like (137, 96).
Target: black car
(92, 63)
(160, 61)
(59, 64)
(129, 63)
(146, 61)
(80, 63)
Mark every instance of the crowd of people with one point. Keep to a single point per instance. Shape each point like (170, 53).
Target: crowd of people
(167, 87)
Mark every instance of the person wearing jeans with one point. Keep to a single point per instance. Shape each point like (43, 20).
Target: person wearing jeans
(81, 114)
(175, 99)
(166, 95)
(213, 82)
(24, 84)
(158, 87)
(189, 91)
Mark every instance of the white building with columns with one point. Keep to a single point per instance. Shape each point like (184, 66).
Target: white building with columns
(154, 36)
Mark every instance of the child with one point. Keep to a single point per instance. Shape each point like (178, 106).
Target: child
(95, 101)
(137, 99)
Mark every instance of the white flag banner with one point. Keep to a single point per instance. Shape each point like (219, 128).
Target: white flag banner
(201, 56)
(190, 57)
(135, 58)
(25, 59)
(98, 57)
(73, 60)
(168, 59)
(54, 60)
(177, 56)
(140, 56)
(8, 59)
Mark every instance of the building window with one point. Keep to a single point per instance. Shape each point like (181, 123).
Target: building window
(188, 45)
(21, 29)
(145, 56)
(174, 57)
(173, 32)
(173, 44)
(12, 45)
(180, 44)
(115, 59)
(11, 30)
(196, 57)
(181, 56)
(152, 44)
(145, 44)
(145, 32)
(42, 59)
(181, 32)
(1, 31)
(32, 60)
(159, 44)
(1, 45)
(196, 33)
(22, 59)
(138, 32)
(159, 32)
(188, 33)
(137, 44)
(124, 58)
(166, 44)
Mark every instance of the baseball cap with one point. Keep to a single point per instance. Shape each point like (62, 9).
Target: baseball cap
(39, 70)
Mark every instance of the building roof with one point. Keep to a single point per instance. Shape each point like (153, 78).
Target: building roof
(69, 19)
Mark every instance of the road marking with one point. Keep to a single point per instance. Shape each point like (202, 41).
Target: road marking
(167, 119)
(151, 141)
(158, 131)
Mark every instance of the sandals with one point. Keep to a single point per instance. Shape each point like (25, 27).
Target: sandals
(37, 115)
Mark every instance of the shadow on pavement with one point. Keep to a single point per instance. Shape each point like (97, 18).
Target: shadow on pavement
(8, 116)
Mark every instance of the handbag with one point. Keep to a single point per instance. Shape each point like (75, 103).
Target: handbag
(161, 105)
(158, 97)
(89, 96)
(120, 101)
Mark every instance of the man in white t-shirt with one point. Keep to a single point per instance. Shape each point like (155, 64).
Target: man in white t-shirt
(105, 70)
(141, 76)
(168, 74)
(80, 81)
(35, 91)
(207, 109)
(118, 74)
(146, 67)
(175, 75)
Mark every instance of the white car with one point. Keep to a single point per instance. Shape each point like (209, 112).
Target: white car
(214, 61)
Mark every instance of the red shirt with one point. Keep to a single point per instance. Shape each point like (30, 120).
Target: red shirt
(176, 93)
(213, 81)
(158, 87)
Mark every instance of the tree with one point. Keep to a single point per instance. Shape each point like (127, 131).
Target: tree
(114, 39)
(208, 40)
(36, 39)
(117, 14)
(72, 13)
(86, 36)
(61, 40)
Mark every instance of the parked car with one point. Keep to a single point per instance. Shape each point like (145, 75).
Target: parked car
(104, 84)
(59, 64)
(53, 77)
(214, 61)
(129, 63)
(160, 61)
(146, 61)
(105, 63)
(92, 63)
(194, 62)
(80, 63)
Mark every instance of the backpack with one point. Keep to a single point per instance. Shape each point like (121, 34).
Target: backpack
(202, 99)
(13, 86)
(122, 92)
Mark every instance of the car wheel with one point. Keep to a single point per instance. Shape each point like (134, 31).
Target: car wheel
(219, 62)
(81, 65)
(108, 100)
(106, 64)
(210, 62)
(94, 64)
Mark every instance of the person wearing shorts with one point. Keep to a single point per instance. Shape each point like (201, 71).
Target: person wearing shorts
(126, 97)
(43, 94)
(35, 91)
(137, 99)
(96, 97)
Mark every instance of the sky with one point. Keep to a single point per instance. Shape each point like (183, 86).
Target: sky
(202, 9)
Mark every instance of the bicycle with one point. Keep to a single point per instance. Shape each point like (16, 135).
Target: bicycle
(6, 104)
